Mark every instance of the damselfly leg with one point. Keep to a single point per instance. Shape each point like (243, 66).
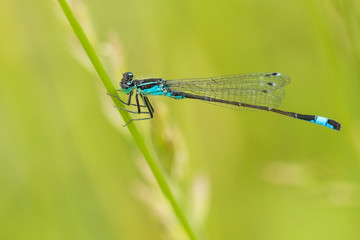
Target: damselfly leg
(146, 102)
(126, 103)
(129, 104)
(149, 107)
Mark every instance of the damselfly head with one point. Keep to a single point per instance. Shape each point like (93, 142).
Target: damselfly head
(127, 80)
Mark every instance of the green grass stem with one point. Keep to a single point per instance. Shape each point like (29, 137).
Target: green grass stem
(160, 178)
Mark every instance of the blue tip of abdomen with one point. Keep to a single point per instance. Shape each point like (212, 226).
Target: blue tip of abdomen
(323, 121)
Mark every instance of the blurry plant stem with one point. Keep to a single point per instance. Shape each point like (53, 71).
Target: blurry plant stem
(160, 178)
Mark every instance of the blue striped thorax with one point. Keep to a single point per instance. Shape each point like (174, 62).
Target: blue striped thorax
(151, 86)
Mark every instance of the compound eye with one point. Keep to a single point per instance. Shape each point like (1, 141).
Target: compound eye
(128, 76)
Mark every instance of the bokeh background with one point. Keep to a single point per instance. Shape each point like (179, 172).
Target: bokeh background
(68, 170)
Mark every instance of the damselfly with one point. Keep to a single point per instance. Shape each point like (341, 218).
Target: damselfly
(261, 91)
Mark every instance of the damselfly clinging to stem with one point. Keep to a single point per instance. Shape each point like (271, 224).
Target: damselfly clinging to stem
(261, 91)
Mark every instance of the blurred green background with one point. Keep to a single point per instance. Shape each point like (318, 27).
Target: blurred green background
(68, 170)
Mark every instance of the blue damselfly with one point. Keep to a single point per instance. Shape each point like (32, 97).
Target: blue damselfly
(261, 91)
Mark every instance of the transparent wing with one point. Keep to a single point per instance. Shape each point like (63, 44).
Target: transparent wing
(264, 89)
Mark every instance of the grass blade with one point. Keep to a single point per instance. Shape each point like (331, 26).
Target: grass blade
(160, 178)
